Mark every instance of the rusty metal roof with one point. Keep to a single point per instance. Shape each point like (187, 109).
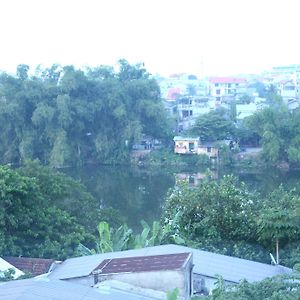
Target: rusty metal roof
(34, 266)
(142, 263)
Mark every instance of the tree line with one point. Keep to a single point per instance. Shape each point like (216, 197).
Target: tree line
(275, 129)
(66, 116)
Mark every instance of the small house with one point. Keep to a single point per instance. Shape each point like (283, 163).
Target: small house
(186, 145)
(156, 272)
(32, 266)
(189, 145)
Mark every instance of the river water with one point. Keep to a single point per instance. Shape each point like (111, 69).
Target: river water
(139, 193)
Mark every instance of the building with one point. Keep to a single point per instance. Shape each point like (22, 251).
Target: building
(288, 90)
(157, 272)
(190, 145)
(207, 267)
(32, 266)
(224, 88)
(5, 266)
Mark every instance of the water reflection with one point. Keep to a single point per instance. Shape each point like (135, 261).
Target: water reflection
(139, 193)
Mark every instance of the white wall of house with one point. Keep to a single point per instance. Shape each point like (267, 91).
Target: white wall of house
(157, 280)
(4, 266)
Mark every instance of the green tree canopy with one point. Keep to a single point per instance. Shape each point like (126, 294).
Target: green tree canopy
(65, 116)
(34, 220)
(213, 126)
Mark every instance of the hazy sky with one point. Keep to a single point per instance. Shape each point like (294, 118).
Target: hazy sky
(222, 36)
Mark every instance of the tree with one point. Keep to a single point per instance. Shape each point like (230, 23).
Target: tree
(279, 219)
(213, 126)
(217, 216)
(64, 116)
(282, 287)
(278, 130)
(31, 224)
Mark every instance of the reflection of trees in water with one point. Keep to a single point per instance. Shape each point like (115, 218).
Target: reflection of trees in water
(139, 193)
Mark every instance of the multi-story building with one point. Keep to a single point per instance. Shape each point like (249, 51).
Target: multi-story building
(226, 87)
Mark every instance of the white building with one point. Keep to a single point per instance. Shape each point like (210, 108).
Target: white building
(220, 87)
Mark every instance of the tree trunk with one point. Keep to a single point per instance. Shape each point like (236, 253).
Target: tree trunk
(277, 251)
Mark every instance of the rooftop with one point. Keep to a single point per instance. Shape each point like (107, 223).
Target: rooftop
(34, 266)
(41, 288)
(206, 263)
(143, 263)
(227, 80)
(185, 138)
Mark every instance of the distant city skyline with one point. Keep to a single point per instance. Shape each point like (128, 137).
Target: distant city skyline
(207, 37)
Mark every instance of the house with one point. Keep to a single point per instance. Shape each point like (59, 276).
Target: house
(207, 266)
(33, 266)
(288, 90)
(220, 87)
(190, 145)
(186, 145)
(189, 108)
(157, 272)
(162, 273)
(5, 266)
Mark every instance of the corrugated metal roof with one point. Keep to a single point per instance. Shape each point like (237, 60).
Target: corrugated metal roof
(34, 266)
(184, 138)
(45, 289)
(205, 263)
(143, 263)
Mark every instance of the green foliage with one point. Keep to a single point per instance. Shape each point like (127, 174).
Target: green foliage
(227, 218)
(278, 130)
(213, 126)
(168, 158)
(123, 238)
(173, 295)
(284, 287)
(63, 116)
(34, 219)
(7, 275)
(279, 220)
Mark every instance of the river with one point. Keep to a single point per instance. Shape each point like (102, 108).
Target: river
(139, 193)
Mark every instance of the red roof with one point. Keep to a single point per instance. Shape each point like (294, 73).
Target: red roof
(173, 92)
(227, 80)
(143, 263)
(34, 266)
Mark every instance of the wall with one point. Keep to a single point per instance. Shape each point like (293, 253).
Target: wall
(156, 280)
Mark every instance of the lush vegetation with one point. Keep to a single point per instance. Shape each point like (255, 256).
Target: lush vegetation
(64, 116)
(214, 126)
(286, 287)
(226, 217)
(278, 130)
(41, 213)
(275, 129)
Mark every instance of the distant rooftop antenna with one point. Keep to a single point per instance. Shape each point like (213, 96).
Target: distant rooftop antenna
(202, 68)
(273, 259)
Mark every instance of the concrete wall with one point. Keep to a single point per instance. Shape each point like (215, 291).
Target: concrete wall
(156, 280)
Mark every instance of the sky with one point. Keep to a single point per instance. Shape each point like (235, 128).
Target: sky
(201, 37)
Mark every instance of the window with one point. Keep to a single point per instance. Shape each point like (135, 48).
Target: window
(229, 85)
(218, 92)
(208, 149)
(218, 98)
(216, 84)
